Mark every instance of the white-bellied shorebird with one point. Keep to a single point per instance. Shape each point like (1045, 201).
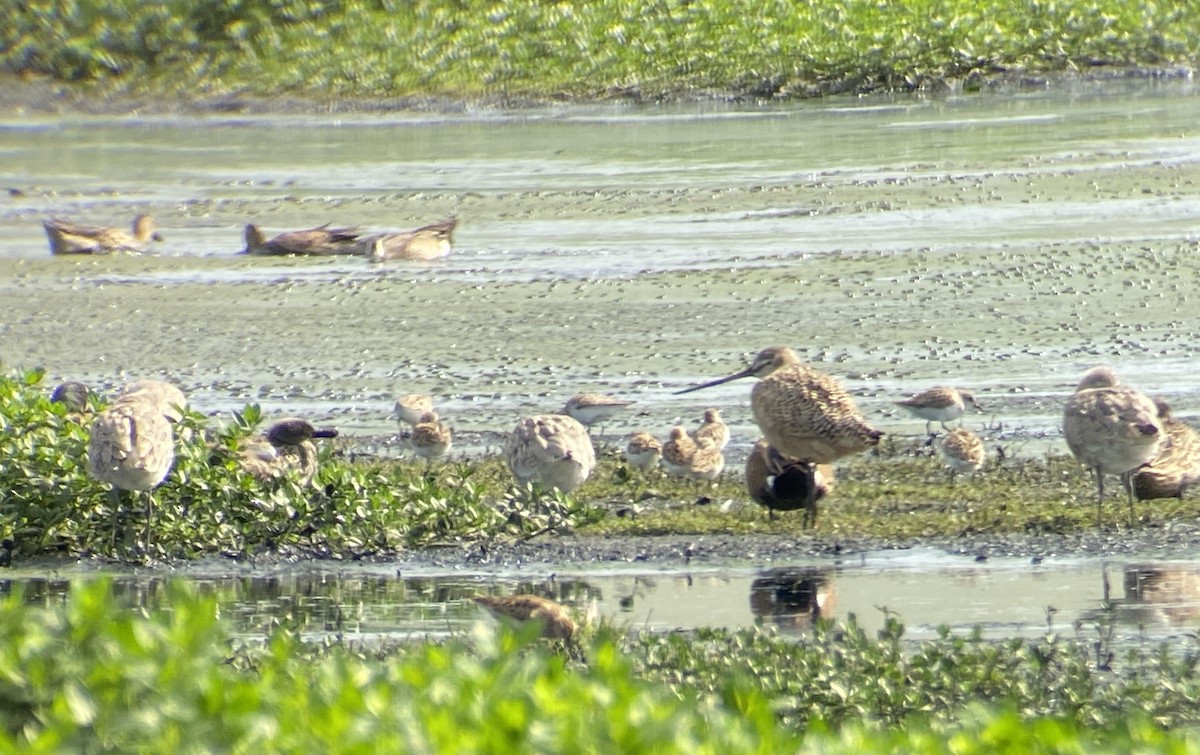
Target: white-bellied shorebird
(411, 406)
(939, 404)
(72, 238)
(288, 446)
(962, 451)
(783, 484)
(552, 450)
(712, 428)
(425, 243)
(678, 451)
(707, 462)
(593, 408)
(1175, 467)
(643, 451)
(1111, 429)
(319, 241)
(431, 438)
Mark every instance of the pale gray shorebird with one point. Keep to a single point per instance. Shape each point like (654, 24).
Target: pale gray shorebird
(73, 238)
(425, 243)
(288, 445)
(1111, 429)
(940, 404)
(411, 406)
(552, 450)
(643, 451)
(1175, 467)
(712, 428)
(783, 484)
(431, 438)
(677, 452)
(962, 450)
(591, 408)
(319, 241)
(132, 445)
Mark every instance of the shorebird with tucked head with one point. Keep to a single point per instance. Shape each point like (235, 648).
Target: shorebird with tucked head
(962, 451)
(319, 241)
(411, 406)
(783, 484)
(431, 438)
(1111, 429)
(707, 462)
(1175, 467)
(552, 450)
(939, 404)
(712, 428)
(425, 243)
(677, 452)
(643, 451)
(72, 238)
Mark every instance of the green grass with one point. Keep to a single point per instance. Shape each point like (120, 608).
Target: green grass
(641, 48)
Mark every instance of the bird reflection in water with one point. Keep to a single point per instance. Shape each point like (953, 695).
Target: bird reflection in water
(793, 598)
(1165, 593)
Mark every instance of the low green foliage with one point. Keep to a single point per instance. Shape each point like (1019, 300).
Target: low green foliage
(466, 48)
(92, 675)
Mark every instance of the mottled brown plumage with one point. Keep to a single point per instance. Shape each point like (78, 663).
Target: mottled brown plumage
(783, 484)
(590, 408)
(554, 618)
(643, 451)
(712, 428)
(1175, 467)
(1111, 429)
(411, 406)
(319, 241)
(73, 395)
(425, 243)
(678, 451)
(707, 462)
(430, 437)
(939, 404)
(553, 450)
(72, 238)
(962, 451)
(286, 447)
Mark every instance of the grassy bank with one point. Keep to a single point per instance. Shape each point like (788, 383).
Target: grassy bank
(643, 49)
(89, 674)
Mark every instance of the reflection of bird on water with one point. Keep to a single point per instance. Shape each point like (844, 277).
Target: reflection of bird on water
(643, 451)
(939, 404)
(1168, 592)
(1175, 467)
(552, 450)
(73, 238)
(554, 618)
(425, 243)
(1111, 429)
(319, 241)
(803, 413)
(783, 484)
(793, 597)
(288, 446)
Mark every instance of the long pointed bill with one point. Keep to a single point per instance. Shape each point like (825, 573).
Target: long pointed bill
(735, 376)
(325, 433)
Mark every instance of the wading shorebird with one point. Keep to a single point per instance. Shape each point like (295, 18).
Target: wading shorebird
(962, 451)
(713, 428)
(591, 408)
(1111, 429)
(939, 404)
(319, 241)
(132, 445)
(553, 618)
(707, 462)
(425, 243)
(677, 452)
(411, 406)
(431, 438)
(783, 484)
(1175, 467)
(72, 238)
(552, 450)
(288, 446)
(643, 451)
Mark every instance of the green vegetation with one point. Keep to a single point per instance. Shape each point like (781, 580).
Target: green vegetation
(640, 48)
(90, 675)
(209, 505)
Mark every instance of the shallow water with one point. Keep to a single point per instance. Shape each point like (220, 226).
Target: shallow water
(1003, 244)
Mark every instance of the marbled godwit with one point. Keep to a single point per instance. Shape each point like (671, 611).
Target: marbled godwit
(319, 241)
(963, 451)
(166, 396)
(590, 408)
(707, 462)
(425, 243)
(1111, 429)
(678, 451)
(553, 450)
(131, 446)
(430, 438)
(802, 412)
(289, 446)
(939, 404)
(553, 618)
(643, 451)
(712, 428)
(72, 238)
(1175, 467)
(411, 406)
(782, 484)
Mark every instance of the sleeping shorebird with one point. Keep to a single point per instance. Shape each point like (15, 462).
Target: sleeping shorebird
(319, 241)
(643, 451)
(552, 450)
(287, 446)
(72, 238)
(72, 395)
(707, 462)
(411, 406)
(132, 445)
(1175, 467)
(1111, 429)
(430, 437)
(677, 452)
(939, 404)
(712, 428)
(425, 243)
(783, 484)
(962, 451)
(803, 413)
